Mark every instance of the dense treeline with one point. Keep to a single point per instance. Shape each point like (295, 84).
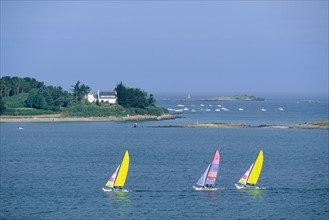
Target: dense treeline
(133, 98)
(10, 86)
(17, 93)
(41, 96)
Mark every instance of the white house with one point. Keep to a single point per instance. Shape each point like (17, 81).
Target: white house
(107, 96)
(103, 96)
(91, 98)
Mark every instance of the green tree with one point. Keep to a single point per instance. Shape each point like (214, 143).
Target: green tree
(151, 100)
(80, 91)
(5, 86)
(36, 100)
(121, 94)
(45, 92)
(132, 97)
(2, 106)
(10, 86)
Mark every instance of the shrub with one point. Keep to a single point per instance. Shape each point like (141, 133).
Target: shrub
(95, 111)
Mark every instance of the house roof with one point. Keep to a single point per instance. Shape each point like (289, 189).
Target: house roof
(107, 94)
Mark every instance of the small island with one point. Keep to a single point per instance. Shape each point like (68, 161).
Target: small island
(241, 97)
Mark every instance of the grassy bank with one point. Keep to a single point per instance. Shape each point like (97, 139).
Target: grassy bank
(90, 110)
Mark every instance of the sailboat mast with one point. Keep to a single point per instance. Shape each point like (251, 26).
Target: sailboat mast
(250, 172)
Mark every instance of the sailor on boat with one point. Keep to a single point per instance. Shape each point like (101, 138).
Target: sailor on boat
(117, 188)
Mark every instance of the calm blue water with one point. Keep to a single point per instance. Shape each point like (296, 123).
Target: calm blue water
(57, 170)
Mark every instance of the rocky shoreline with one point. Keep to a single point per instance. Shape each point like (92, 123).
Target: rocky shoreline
(135, 118)
(310, 125)
(60, 118)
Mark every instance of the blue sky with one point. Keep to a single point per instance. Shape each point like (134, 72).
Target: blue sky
(220, 47)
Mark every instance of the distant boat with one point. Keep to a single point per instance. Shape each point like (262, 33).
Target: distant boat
(250, 178)
(263, 109)
(280, 109)
(180, 105)
(240, 109)
(208, 178)
(20, 128)
(118, 178)
(217, 109)
(225, 109)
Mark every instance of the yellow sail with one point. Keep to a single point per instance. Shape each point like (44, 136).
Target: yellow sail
(255, 172)
(122, 173)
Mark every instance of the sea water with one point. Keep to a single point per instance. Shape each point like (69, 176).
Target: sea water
(57, 170)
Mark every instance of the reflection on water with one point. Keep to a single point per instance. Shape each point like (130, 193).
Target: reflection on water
(253, 193)
(118, 196)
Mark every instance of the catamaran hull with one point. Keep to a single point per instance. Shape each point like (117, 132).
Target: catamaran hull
(205, 189)
(240, 186)
(114, 190)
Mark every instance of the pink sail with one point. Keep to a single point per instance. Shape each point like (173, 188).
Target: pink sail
(245, 176)
(210, 174)
(110, 182)
(213, 171)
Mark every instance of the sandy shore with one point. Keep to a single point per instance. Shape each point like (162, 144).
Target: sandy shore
(60, 118)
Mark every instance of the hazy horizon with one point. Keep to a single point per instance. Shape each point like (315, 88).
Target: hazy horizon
(258, 48)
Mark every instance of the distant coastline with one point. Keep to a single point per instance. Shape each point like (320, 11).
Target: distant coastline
(242, 97)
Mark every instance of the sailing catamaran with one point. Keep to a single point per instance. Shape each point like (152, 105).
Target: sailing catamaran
(118, 178)
(250, 178)
(208, 178)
